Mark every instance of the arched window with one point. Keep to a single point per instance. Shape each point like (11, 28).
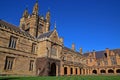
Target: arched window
(94, 71)
(76, 70)
(110, 71)
(102, 71)
(118, 71)
(65, 70)
(71, 71)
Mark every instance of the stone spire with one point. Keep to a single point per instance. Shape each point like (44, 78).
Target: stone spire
(26, 14)
(47, 21)
(48, 16)
(35, 8)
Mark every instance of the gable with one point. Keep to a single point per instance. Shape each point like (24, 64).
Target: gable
(54, 36)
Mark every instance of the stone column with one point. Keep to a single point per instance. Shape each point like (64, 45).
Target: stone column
(68, 70)
(78, 70)
(62, 71)
(115, 71)
(81, 71)
(89, 71)
(57, 73)
(85, 71)
(98, 71)
(106, 71)
(74, 71)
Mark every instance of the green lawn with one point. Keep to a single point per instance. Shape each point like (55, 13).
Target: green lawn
(64, 78)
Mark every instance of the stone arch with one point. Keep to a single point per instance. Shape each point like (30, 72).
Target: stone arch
(52, 70)
(118, 71)
(110, 71)
(65, 70)
(102, 71)
(94, 71)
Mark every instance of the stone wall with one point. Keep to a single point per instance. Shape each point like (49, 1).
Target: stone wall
(22, 54)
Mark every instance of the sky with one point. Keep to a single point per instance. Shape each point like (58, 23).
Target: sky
(89, 24)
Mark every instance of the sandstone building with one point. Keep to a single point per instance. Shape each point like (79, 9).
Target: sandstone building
(35, 50)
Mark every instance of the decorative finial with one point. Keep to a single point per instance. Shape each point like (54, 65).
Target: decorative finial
(48, 9)
(55, 25)
(25, 14)
(36, 1)
(26, 7)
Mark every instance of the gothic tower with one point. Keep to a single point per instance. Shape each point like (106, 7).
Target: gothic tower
(33, 23)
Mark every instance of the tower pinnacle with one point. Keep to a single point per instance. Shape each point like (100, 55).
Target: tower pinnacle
(25, 14)
(35, 8)
(48, 16)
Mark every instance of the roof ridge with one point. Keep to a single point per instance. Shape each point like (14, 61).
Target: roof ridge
(15, 28)
(9, 23)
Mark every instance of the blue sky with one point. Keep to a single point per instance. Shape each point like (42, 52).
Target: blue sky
(90, 24)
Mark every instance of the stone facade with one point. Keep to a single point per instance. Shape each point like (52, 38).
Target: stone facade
(32, 49)
(104, 62)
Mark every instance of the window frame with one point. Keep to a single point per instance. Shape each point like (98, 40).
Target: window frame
(9, 61)
(33, 50)
(13, 42)
(31, 65)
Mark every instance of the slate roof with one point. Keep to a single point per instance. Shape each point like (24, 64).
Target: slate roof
(71, 50)
(100, 54)
(117, 51)
(8, 25)
(14, 28)
(45, 34)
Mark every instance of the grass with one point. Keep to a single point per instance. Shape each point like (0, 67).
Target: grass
(101, 77)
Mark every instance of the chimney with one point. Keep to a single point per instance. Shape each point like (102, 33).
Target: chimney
(107, 50)
(80, 50)
(94, 54)
(73, 46)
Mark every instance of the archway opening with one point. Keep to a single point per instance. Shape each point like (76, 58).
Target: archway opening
(80, 71)
(102, 71)
(65, 70)
(71, 71)
(118, 71)
(76, 71)
(94, 71)
(53, 70)
(110, 71)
